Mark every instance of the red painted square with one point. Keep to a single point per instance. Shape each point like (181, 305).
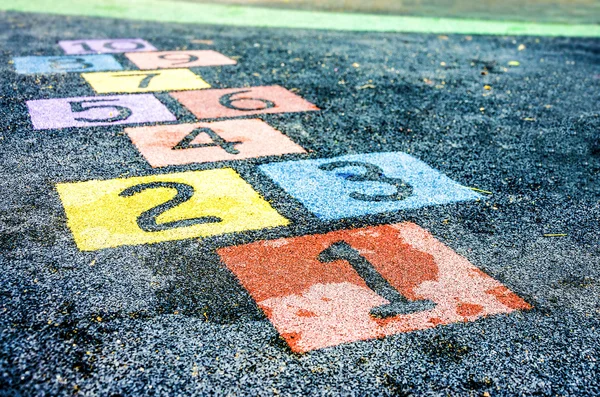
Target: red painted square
(237, 102)
(328, 289)
(207, 142)
(178, 59)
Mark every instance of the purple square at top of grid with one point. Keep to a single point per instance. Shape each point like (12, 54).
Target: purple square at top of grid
(98, 110)
(105, 46)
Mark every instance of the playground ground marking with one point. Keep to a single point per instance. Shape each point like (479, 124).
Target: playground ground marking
(165, 145)
(65, 64)
(178, 59)
(238, 102)
(163, 207)
(364, 184)
(326, 289)
(97, 110)
(101, 46)
(133, 81)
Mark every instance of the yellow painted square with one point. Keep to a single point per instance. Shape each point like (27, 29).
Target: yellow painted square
(145, 81)
(101, 216)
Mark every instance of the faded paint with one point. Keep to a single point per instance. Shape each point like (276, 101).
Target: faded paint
(289, 282)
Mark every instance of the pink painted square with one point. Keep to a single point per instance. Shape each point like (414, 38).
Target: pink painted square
(209, 142)
(237, 102)
(323, 290)
(178, 59)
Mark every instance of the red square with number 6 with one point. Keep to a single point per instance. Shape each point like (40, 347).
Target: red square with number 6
(322, 290)
(238, 102)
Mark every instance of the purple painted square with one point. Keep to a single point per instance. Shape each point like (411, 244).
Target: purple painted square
(99, 110)
(105, 46)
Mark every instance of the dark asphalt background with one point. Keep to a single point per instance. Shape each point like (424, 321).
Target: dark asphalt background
(170, 319)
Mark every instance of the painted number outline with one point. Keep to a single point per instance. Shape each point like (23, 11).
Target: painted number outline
(190, 58)
(216, 140)
(227, 102)
(147, 77)
(373, 173)
(123, 112)
(398, 305)
(147, 220)
(78, 63)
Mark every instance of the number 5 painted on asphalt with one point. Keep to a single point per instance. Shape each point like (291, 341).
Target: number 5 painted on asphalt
(145, 81)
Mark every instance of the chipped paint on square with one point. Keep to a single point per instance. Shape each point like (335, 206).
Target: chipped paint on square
(156, 208)
(209, 142)
(238, 102)
(178, 59)
(133, 81)
(316, 303)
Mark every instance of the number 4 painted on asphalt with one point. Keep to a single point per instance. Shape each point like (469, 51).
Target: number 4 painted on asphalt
(163, 145)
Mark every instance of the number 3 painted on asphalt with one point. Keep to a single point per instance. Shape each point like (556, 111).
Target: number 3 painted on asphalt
(372, 173)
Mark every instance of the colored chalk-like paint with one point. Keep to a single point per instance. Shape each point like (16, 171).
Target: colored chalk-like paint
(104, 46)
(178, 59)
(97, 110)
(65, 64)
(145, 81)
(350, 285)
(155, 208)
(363, 184)
(237, 102)
(207, 142)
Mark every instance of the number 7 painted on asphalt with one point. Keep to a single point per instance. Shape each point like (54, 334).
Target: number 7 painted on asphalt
(145, 81)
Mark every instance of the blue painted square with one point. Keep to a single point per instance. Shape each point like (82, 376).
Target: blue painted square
(362, 184)
(66, 64)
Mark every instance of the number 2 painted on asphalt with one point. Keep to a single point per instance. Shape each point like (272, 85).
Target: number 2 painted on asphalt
(147, 220)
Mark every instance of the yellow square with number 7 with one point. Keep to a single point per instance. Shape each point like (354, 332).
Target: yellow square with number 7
(145, 81)
(155, 208)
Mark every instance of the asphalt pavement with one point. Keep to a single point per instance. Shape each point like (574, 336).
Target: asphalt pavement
(512, 122)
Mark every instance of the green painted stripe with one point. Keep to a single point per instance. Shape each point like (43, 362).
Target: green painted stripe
(183, 12)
